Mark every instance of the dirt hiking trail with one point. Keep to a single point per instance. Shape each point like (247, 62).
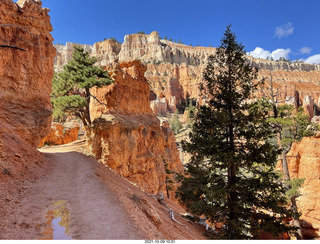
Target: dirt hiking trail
(72, 196)
(90, 211)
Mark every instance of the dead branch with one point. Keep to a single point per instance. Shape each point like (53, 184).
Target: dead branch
(19, 48)
(98, 100)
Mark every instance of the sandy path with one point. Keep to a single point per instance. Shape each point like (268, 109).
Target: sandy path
(95, 212)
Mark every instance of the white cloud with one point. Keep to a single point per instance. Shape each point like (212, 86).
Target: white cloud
(315, 59)
(284, 30)
(305, 50)
(259, 52)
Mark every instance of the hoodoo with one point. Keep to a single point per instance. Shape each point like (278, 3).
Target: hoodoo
(127, 136)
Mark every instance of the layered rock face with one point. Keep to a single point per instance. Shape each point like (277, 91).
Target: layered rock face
(304, 162)
(127, 136)
(61, 134)
(26, 69)
(174, 71)
(152, 49)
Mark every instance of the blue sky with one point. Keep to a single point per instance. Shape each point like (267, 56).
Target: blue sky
(288, 28)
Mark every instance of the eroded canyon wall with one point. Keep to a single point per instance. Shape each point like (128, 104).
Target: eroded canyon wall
(127, 136)
(174, 70)
(304, 163)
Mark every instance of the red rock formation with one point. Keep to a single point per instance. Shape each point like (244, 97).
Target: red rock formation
(127, 136)
(26, 68)
(129, 93)
(61, 134)
(174, 71)
(304, 162)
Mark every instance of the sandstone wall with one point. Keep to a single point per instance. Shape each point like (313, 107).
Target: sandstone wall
(127, 136)
(26, 68)
(304, 162)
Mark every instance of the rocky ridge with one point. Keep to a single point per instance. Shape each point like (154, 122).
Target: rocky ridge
(174, 70)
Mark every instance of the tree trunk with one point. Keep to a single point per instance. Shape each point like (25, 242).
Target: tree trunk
(232, 168)
(87, 112)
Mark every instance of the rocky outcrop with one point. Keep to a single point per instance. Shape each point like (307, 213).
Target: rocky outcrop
(308, 106)
(304, 162)
(129, 93)
(107, 51)
(26, 69)
(61, 134)
(127, 136)
(152, 49)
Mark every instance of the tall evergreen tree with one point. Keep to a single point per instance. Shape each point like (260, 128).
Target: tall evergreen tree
(230, 178)
(71, 87)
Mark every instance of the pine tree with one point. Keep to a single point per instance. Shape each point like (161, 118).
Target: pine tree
(71, 87)
(230, 178)
(191, 110)
(175, 123)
